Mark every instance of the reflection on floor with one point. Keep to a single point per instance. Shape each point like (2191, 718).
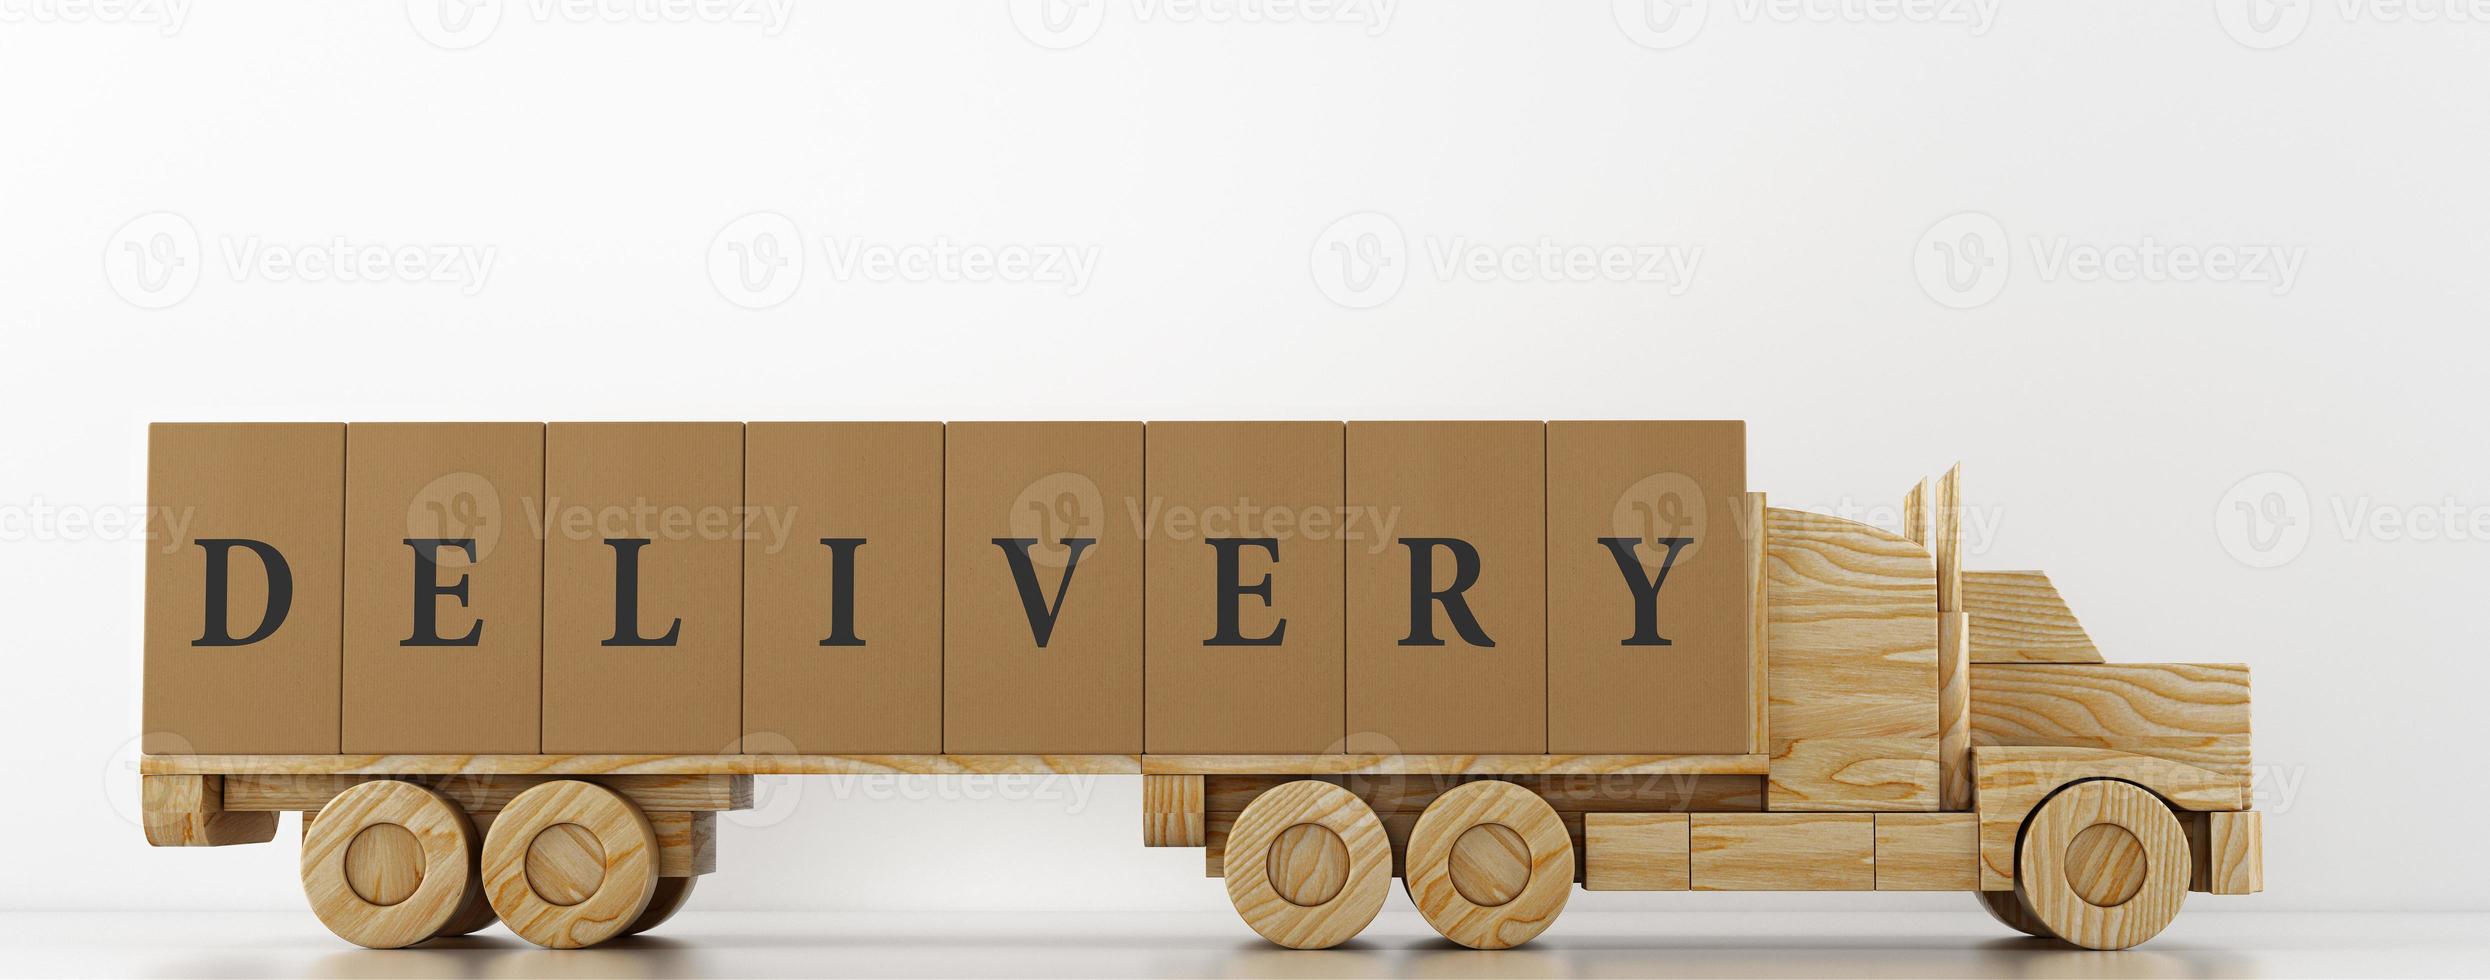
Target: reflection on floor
(715, 943)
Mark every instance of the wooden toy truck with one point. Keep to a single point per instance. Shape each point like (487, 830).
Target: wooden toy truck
(1914, 726)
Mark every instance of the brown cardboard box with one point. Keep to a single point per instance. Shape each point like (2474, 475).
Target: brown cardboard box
(1042, 483)
(444, 587)
(1611, 686)
(860, 674)
(671, 681)
(217, 495)
(1432, 484)
(1272, 680)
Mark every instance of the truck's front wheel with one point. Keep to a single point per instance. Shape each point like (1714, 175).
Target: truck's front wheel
(2103, 865)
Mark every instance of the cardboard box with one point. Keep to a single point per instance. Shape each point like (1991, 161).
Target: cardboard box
(1027, 666)
(256, 513)
(444, 587)
(643, 587)
(1656, 664)
(1445, 493)
(1245, 622)
(843, 587)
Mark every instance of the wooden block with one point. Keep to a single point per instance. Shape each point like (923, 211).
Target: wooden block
(1647, 588)
(444, 587)
(1171, 811)
(849, 664)
(1447, 615)
(1954, 710)
(2012, 780)
(1915, 511)
(245, 526)
(1485, 765)
(189, 811)
(1244, 556)
(1848, 774)
(487, 793)
(643, 587)
(687, 842)
(1567, 793)
(1853, 630)
(2228, 849)
(1215, 828)
(1759, 625)
(1945, 534)
(1783, 851)
(755, 764)
(1927, 852)
(1042, 632)
(2192, 713)
(1635, 852)
(2019, 616)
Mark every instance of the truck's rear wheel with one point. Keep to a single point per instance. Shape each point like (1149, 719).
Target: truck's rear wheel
(668, 899)
(1489, 864)
(387, 863)
(2009, 912)
(2103, 865)
(570, 864)
(1307, 864)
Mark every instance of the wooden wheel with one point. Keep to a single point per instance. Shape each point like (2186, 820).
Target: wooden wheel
(672, 892)
(2009, 912)
(570, 864)
(474, 911)
(387, 863)
(1489, 864)
(2103, 865)
(1307, 864)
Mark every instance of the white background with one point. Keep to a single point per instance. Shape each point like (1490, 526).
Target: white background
(1811, 163)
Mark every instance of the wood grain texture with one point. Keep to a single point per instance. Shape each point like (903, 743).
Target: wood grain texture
(1915, 511)
(625, 857)
(1954, 710)
(2053, 872)
(2227, 852)
(2007, 908)
(1759, 620)
(2192, 713)
(411, 903)
(602, 765)
(1247, 865)
(481, 794)
(1389, 794)
(1457, 878)
(2019, 617)
(1945, 538)
(1489, 765)
(2013, 780)
(475, 911)
(1636, 852)
(669, 898)
(1854, 774)
(1171, 810)
(190, 811)
(1927, 852)
(1783, 851)
(687, 843)
(1853, 625)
